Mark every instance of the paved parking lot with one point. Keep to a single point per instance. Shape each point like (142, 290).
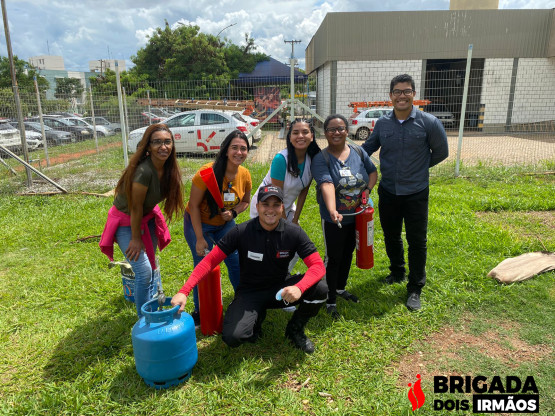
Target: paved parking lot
(489, 149)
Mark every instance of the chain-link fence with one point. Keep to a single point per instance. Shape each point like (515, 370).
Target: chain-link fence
(503, 123)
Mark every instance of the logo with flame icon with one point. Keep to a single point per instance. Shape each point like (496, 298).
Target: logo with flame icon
(416, 395)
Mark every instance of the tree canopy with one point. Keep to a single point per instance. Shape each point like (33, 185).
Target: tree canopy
(68, 88)
(185, 53)
(24, 73)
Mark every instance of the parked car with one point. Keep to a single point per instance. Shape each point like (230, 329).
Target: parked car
(442, 113)
(9, 137)
(57, 123)
(101, 121)
(101, 131)
(249, 121)
(361, 125)
(150, 117)
(253, 122)
(199, 131)
(53, 137)
(33, 139)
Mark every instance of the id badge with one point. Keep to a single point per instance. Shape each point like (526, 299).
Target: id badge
(229, 197)
(345, 172)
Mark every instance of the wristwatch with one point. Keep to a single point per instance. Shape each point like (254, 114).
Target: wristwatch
(234, 213)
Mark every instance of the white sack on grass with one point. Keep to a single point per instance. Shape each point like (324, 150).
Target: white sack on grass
(523, 267)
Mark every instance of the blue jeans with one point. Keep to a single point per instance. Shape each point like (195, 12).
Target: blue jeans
(146, 279)
(212, 233)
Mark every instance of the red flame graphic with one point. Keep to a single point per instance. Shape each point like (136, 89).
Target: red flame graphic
(416, 395)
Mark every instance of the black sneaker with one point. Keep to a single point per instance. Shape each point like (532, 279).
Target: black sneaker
(256, 334)
(297, 336)
(391, 279)
(196, 319)
(348, 296)
(332, 310)
(413, 301)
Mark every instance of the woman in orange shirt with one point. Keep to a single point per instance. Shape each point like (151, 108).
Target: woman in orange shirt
(204, 222)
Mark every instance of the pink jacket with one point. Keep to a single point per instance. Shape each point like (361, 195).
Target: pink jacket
(117, 218)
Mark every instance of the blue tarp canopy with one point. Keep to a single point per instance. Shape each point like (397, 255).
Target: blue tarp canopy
(270, 72)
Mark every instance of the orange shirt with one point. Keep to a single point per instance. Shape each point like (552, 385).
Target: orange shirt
(234, 189)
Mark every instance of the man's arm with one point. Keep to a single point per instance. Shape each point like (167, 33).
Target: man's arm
(437, 140)
(372, 143)
(215, 257)
(316, 270)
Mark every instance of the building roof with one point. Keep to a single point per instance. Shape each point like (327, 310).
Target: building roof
(271, 71)
(438, 34)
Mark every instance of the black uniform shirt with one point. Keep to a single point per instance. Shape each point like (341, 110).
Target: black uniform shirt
(264, 256)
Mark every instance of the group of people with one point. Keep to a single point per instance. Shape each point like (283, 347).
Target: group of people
(261, 253)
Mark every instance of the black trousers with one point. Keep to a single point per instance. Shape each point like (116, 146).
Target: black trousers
(340, 244)
(413, 211)
(248, 309)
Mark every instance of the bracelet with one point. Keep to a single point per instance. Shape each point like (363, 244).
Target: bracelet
(234, 213)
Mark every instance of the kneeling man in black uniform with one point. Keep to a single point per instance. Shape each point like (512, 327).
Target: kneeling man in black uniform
(266, 244)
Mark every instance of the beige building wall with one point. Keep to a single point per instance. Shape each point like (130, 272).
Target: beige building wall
(473, 4)
(50, 62)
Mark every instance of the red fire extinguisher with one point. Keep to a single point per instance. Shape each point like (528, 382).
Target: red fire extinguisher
(364, 229)
(210, 303)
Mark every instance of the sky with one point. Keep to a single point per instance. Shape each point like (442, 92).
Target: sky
(84, 30)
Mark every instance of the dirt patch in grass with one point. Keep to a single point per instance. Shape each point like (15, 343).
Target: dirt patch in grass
(545, 218)
(435, 353)
(536, 225)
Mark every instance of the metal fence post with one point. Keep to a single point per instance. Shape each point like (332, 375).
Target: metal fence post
(95, 135)
(44, 141)
(121, 117)
(463, 108)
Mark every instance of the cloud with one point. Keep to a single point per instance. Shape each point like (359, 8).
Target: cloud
(86, 29)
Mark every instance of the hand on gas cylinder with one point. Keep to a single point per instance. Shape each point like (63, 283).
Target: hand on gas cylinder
(179, 299)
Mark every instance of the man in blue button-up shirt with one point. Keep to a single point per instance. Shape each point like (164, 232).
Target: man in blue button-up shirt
(410, 142)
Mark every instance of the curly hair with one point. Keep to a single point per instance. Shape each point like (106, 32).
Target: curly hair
(171, 185)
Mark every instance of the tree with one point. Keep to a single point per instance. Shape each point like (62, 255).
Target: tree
(24, 73)
(68, 88)
(185, 53)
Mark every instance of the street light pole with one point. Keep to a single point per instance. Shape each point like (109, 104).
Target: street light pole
(228, 26)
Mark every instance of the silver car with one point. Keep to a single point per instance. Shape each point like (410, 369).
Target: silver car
(198, 131)
(362, 124)
(442, 113)
(101, 121)
(101, 131)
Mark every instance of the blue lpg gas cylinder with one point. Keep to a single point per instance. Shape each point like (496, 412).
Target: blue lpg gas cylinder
(164, 345)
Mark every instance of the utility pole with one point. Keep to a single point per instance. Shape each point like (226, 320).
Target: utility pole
(292, 62)
(16, 93)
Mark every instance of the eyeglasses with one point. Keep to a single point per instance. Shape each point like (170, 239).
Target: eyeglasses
(407, 92)
(339, 129)
(235, 148)
(159, 142)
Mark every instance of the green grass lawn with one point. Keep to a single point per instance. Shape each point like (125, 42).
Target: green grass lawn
(65, 328)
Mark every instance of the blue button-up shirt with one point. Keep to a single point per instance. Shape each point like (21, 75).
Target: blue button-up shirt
(407, 150)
